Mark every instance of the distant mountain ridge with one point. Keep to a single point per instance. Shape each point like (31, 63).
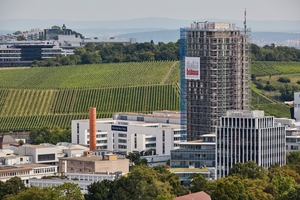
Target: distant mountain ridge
(144, 23)
(173, 35)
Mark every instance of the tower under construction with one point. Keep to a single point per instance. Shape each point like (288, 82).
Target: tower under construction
(214, 74)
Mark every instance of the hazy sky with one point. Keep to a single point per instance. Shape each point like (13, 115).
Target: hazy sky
(133, 9)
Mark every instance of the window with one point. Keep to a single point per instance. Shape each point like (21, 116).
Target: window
(123, 117)
(46, 157)
(101, 135)
(21, 159)
(101, 141)
(294, 147)
(150, 145)
(151, 139)
(122, 141)
(140, 119)
(122, 135)
(122, 146)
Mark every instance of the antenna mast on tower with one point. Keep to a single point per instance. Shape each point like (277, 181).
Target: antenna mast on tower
(245, 22)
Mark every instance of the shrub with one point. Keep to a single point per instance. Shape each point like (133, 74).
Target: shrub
(284, 80)
(270, 87)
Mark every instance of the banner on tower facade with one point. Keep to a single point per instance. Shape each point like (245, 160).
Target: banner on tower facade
(192, 68)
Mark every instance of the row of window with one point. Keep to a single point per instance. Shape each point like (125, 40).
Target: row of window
(14, 174)
(44, 170)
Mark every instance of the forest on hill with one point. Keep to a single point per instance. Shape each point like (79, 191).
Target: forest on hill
(148, 51)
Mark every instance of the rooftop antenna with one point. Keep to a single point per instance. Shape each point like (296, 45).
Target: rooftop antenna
(245, 22)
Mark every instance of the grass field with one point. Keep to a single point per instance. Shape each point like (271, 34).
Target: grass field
(37, 97)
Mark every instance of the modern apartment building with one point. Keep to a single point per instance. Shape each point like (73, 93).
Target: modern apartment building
(214, 62)
(249, 135)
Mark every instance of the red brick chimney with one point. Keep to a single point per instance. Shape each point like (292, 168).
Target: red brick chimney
(92, 120)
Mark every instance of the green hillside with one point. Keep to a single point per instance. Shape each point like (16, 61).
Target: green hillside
(38, 97)
(88, 76)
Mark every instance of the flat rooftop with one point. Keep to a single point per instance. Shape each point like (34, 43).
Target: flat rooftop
(188, 170)
(22, 167)
(38, 146)
(91, 158)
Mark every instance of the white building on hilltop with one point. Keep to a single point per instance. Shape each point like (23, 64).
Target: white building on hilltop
(249, 135)
(132, 132)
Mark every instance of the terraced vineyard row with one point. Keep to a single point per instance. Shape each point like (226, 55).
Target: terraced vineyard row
(274, 68)
(45, 105)
(88, 76)
(134, 99)
(18, 102)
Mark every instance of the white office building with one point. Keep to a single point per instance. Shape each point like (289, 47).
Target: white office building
(132, 132)
(292, 133)
(249, 135)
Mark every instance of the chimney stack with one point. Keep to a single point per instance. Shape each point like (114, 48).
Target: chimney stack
(92, 123)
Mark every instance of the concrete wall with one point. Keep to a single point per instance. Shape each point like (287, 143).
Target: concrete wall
(112, 166)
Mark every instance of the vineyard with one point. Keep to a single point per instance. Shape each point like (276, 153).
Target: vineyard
(274, 68)
(57, 95)
(89, 76)
(38, 97)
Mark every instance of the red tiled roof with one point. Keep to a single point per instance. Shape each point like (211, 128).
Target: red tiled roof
(194, 196)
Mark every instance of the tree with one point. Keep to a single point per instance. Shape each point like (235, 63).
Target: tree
(90, 47)
(165, 175)
(293, 161)
(21, 38)
(198, 183)
(276, 170)
(17, 33)
(90, 58)
(284, 80)
(141, 183)
(287, 92)
(75, 59)
(46, 135)
(99, 190)
(282, 186)
(21, 142)
(293, 194)
(147, 183)
(79, 51)
(136, 159)
(69, 191)
(249, 170)
(65, 60)
(225, 190)
(11, 187)
(35, 193)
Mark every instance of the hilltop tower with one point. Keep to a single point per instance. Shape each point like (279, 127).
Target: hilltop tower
(214, 77)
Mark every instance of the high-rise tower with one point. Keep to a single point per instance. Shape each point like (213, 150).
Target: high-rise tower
(214, 74)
